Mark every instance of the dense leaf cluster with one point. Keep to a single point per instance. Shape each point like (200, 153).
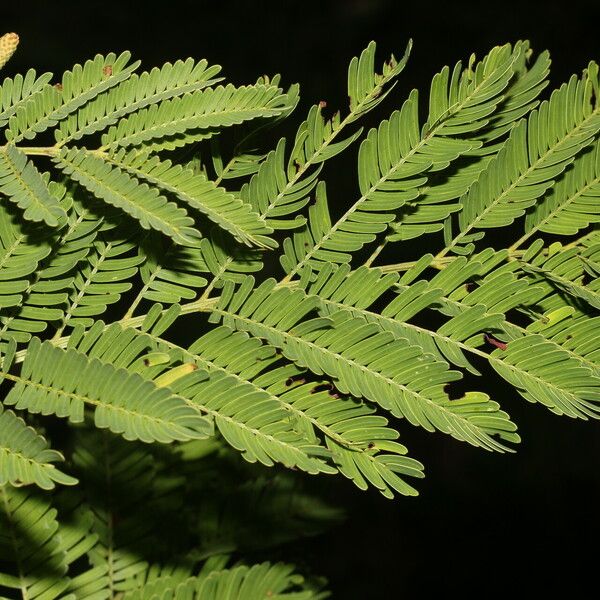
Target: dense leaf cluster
(115, 252)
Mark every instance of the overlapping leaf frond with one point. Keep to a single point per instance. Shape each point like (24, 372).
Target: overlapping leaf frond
(202, 110)
(363, 447)
(25, 457)
(250, 419)
(49, 280)
(264, 580)
(119, 189)
(395, 159)
(268, 415)
(340, 289)
(519, 97)
(123, 403)
(35, 550)
(15, 91)
(399, 377)
(19, 257)
(481, 310)
(572, 203)
(439, 197)
(170, 274)
(135, 93)
(475, 311)
(77, 87)
(281, 188)
(22, 184)
(197, 192)
(110, 264)
(438, 200)
(226, 263)
(544, 374)
(257, 428)
(537, 152)
(273, 196)
(574, 332)
(574, 271)
(312, 411)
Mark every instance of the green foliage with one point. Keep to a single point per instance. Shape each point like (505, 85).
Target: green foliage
(22, 183)
(139, 301)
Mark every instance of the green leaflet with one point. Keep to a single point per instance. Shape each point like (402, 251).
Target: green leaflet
(136, 93)
(53, 381)
(543, 373)
(50, 279)
(572, 203)
(202, 110)
(258, 581)
(14, 92)
(22, 183)
(77, 87)
(117, 188)
(196, 191)
(25, 457)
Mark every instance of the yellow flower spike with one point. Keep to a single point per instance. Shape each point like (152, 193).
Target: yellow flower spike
(8, 45)
(173, 375)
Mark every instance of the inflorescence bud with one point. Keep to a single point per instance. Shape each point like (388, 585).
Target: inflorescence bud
(8, 45)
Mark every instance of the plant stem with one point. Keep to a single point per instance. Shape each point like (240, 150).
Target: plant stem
(436, 263)
(375, 253)
(439, 263)
(35, 151)
(201, 305)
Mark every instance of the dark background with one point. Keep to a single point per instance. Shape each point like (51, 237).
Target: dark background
(483, 523)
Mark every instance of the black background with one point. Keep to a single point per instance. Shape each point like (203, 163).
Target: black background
(483, 523)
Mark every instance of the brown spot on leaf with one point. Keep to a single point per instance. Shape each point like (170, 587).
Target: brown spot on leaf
(322, 387)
